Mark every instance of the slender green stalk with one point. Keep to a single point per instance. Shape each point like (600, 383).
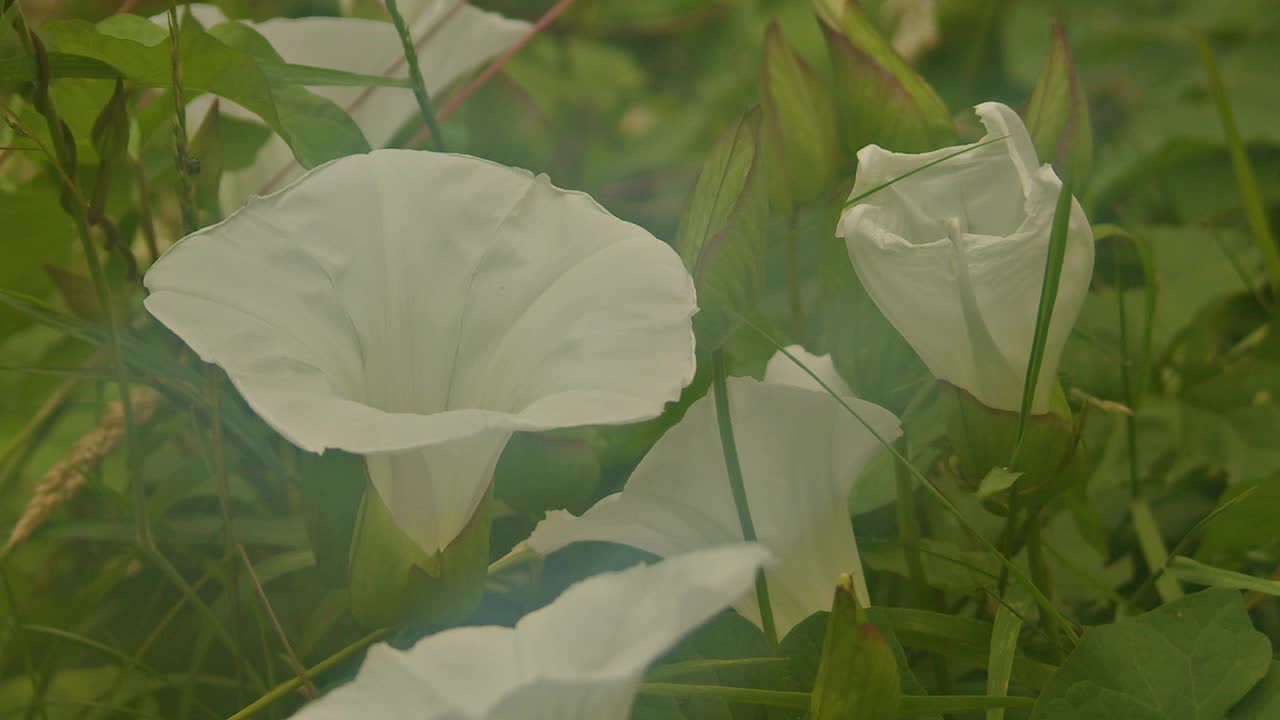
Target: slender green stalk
(720, 389)
(922, 168)
(1254, 208)
(288, 686)
(415, 74)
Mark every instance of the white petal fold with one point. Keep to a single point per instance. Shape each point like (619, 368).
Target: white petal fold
(579, 658)
(954, 257)
(419, 307)
(801, 453)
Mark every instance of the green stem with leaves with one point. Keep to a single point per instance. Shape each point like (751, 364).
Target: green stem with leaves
(720, 390)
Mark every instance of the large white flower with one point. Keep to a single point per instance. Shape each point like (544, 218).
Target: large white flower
(460, 40)
(954, 257)
(418, 307)
(801, 453)
(579, 658)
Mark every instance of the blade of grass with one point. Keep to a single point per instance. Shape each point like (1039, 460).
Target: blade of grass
(688, 667)
(859, 198)
(1254, 209)
(1153, 549)
(1044, 313)
(1192, 571)
(1004, 645)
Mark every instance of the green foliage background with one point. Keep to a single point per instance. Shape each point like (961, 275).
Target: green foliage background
(624, 100)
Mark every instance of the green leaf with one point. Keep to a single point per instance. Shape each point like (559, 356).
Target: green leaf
(881, 98)
(997, 480)
(206, 149)
(858, 675)
(800, 134)
(1263, 702)
(1244, 527)
(1189, 660)
(38, 233)
(315, 128)
(547, 471)
(1058, 113)
(722, 232)
(331, 486)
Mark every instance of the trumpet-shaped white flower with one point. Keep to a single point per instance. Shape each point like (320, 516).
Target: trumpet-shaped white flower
(465, 38)
(419, 307)
(801, 453)
(954, 256)
(579, 658)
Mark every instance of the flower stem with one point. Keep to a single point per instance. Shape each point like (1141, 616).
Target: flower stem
(415, 74)
(720, 389)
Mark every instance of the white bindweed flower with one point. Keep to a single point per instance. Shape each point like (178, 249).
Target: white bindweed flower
(580, 658)
(419, 307)
(460, 39)
(801, 453)
(954, 256)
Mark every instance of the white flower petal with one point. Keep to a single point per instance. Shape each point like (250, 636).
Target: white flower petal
(782, 371)
(801, 453)
(415, 301)
(579, 658)
(954, 257)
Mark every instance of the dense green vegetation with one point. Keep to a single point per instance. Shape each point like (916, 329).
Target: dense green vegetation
(1113, 553)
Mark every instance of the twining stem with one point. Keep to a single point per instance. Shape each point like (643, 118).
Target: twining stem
(720, 390)
(415, 74)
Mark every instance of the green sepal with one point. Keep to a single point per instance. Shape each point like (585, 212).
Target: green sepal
(393, 581)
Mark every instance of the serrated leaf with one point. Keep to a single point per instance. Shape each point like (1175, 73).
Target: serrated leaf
(1189, 660)
(722, 232)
